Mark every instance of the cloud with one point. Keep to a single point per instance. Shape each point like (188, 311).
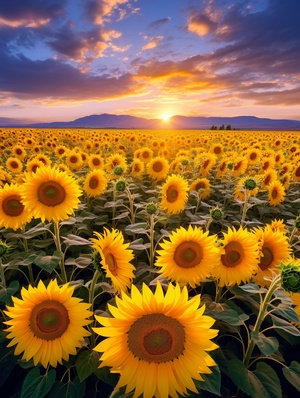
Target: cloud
(201, 24)
(159, 22)
(152, 43)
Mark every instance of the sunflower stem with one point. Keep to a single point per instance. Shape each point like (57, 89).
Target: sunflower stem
(131, 208)
(219, 290)
(275, 284)
(91, 300)
(114, 207)
(152, 224)
(58, 247)
(30, 271)
(294, 230)
(245, 207)
(3, 281)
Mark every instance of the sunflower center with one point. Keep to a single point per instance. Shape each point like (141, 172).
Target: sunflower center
(234, 254)
(12, 206)
(51, 193)
(200, 185)
(14, 164)
(188, 254)
(73, 159)
(157, 167)
(274, 193)
(172, 194)
(96, 162)
(156, 338)
(266, 258)
(49, 320)
(111, 263)
(93, 183)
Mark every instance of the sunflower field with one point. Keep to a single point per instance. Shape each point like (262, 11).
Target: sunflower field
(146, 263)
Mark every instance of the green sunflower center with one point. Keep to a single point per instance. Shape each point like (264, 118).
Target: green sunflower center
(234, 254)
(12, 206)
(188, 254)
(267, 257)
(51, 193)
(49, 320)
(93, 182)
(156, 338)
(172, 194)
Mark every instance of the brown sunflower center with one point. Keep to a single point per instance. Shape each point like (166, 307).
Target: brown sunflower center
(297, 172)
(156, 338)
(234, 254)
(19, 151)
(14, 164)
(49, 320)
(172, 194)
(111, 263)
(74, 159)
(51, 193)
(188, 254)
(267, 257)
(93, 183)
(96, 162)
(200, 185)
(12, 206)
(157, 167)
(274, 193)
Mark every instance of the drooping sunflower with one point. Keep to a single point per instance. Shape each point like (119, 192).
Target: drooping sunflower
(13, 214)
(238, 259)
(95, 183)
(276, 193)
(157, 342)
(201, 185)
(14, 165)
(158, 168)
(273, 249)
(115, 258)
(174, 194)
(188, 256)
(50, 194)
(47, 323)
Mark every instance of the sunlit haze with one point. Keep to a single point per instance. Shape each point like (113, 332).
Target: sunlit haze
(65, 59)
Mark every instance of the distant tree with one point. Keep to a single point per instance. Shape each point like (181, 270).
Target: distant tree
(228, 127)
(222, 127)
(213, 127)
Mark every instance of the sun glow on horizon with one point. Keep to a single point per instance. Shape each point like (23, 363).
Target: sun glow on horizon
(165, 117)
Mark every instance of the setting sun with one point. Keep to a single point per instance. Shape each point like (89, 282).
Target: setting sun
(166, 117)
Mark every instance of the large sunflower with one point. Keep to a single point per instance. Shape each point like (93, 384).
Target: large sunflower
(47, 323)
(13, 214)
(174, 194)
(14, 165)
(95, 183)
(50, 194)
(239, 257)
(115, 258)
(273, 249)
(158, 343)
(189, 256)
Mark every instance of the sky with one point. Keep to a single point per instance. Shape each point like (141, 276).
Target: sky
(65, 59)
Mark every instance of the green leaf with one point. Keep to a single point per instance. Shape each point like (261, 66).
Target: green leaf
(7, 363)
(292, 374)
(267, 345)
(231, 316)
(285, 325)
(86, 364)
(71, 389)
(48, 263)
(239, 375)
(138, 228)
(36, 385)
(6, 293)
(286, 312)
(269, 379)
(74, 240)
(252, 288)
(212, 381)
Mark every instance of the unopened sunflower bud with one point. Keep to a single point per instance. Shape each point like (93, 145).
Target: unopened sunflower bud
(118, 170)
(216, 213)
(290, 278)
(250, 184)
(121, 185)
(297, 222)
(151, 208)
(230, 165)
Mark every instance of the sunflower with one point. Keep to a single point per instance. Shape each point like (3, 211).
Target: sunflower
(189, 256)
(33, 164)
(145, 154)
(115, 258)
(201, 185)
(115, 160)
(217, 149)
(240, 164)
(74, 160)
(278, 225)
(273, 249)
(44, 159)
(240, 188)
(95, 183)
(253, 156)
(13, 214)
(137, 168)
(14, 165)
(267, 178)
(276, 193)
(174, 194)
(47, 323)
(19, 152)
(158, 168)
(158, 343)
(50, 194)
(4, 177)
(61, 150)
(95, 161)
(296, 172)
(238, 259)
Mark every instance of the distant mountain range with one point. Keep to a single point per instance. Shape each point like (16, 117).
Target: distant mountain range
(175, 122)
